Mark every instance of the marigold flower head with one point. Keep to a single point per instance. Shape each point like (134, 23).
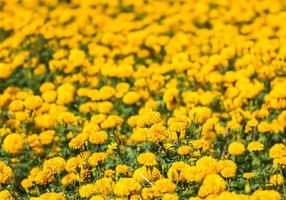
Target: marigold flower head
(158, 133)
(227, 168)
(266, 194)
(236, 148)
(97, 197)
(44, 177)
(98, 137)
(85, 191)
(179, 171)
(97, 158)
(207, 165)
(212, 184)
(126, 187)
(121, 169)
(104, 186)
(147, 159)
(68, 179)
(277, 151)
(33, 102)
(50, 195)
(55, 165)
(170, 197)
(13, 143)
(185, 150)
(6, 173)
(5, 194)
(47, 137)
(163, 186)
(255, 146)
(131, 98)
(27, 183)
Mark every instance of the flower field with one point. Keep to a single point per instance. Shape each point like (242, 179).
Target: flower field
(142, 99)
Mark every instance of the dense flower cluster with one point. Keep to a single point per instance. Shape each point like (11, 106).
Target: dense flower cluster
(142, 100)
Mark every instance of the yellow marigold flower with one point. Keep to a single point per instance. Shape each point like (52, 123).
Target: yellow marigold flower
(44, 121)
(227, 168)
(78, 141)
(200, 114)
(47, 86)
(90, 128)
(121, 89)
(13, 143)
(276, 179)
(255, 146)
(146, 175)
(202, 144)
(27, 183)
(111, 121)
(170, 197)
(230, 195)
(51, 195)
(49, 96)
(131, 98)
(178, 124)
(207, 165)
(6, 173)
(5, 195)
(97, 197)
(98, 137)
(34, 172)
(44, 177)
(265, 195)
(147, 193)
(148, 119)
(138, 135)
(97, 158)
(212, 184)
(236, 148)
(163, 186)
(55, 165)
(68, 179)
(147, 159)
(179, 171)
(34, 140)
(76, 57)
(16, 105)
(104, 186)
(65, 93)
(97, 119)
(5, 70)
(279, 162)
(157, 133)
(47, 137)
(105, 107)
(85, 191)
(185, 150)
(277, 151)
(67, 118)
(106, 92)
(33, 102)
(109, 173)
(126, 187)
(252, 123)
(4, 131)
(248, 175)
(121, 169)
